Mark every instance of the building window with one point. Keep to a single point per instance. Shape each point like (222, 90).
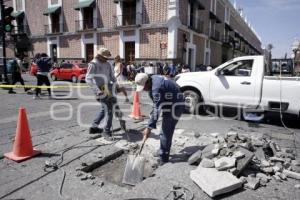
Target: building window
(227, 15)
(213, 6)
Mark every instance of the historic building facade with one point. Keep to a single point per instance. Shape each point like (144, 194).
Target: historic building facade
(194, 32)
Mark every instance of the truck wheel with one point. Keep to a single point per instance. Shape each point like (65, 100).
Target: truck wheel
(74, 79)
(193, 102)
(53, 77)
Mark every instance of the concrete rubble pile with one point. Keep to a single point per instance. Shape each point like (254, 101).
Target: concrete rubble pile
(235, 160)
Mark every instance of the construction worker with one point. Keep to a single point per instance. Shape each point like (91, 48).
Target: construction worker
(100, 77)
(166, 97)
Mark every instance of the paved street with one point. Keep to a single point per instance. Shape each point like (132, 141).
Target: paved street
(66, 139)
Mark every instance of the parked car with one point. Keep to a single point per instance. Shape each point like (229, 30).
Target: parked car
(243, 83)
(68, 71)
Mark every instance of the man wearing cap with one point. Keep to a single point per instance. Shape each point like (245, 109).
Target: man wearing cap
(100, 77)
(166, 97)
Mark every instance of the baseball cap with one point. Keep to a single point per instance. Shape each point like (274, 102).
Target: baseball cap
(140, 80)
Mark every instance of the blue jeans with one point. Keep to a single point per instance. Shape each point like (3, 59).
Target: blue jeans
(169, 121)
(107, 105)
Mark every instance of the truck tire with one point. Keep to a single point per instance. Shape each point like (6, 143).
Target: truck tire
(193, 102)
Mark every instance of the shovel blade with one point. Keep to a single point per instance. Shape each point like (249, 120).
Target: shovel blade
(134, 170)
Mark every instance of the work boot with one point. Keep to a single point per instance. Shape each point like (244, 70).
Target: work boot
(107, 134)
(95, 130)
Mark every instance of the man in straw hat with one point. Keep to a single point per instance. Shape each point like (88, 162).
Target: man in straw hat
(100, 77)
(166, 97)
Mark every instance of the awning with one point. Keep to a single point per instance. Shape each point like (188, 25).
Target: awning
(84, 4)
(52, 10)
(117, 1)
(17, 14)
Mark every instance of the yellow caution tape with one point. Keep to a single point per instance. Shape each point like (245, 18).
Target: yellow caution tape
(44, 86)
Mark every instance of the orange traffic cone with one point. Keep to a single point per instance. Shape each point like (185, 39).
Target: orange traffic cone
(136, 112)
(22, 148)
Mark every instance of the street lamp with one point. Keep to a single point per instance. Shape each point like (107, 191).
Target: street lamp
(295, 49)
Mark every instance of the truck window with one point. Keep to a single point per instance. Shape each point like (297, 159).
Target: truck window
(239, 68)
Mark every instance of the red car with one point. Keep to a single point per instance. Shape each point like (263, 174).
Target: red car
(68, 71)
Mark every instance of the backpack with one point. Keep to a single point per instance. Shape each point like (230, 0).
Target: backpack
(12, 66)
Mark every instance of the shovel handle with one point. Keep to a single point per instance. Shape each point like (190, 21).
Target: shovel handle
(143, 143)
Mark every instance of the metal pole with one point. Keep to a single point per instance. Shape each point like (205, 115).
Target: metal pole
(3, 42)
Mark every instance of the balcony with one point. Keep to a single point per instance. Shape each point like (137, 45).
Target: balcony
(20, 30)
(55, 28)
(214, 35)
(128, 20)
(86, 25)
(228, 40)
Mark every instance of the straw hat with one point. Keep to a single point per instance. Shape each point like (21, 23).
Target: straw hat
(103, 52)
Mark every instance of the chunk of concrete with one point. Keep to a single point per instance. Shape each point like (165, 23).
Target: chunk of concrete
(257, 143)
(275, 148)
(276, 159)
(252, 183)
(297, 186)
(242, 163)
(207, 151)
(225, 163)
(296, 163)
(268, 170)
(238, 154)
(232, 133)
(214, 182)
(291, 174)
(207, 163)
(215, 135)
(195, 158)
(263, 177)
(260, 154)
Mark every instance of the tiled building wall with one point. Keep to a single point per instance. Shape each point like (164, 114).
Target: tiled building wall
(216, 54)
(155, 11)
(70, 15)
(109, 40)
(39, 45)
(183, 11)
(36, 20)
(200, 46)
(70, 46)
(107, 10)
(150, 40)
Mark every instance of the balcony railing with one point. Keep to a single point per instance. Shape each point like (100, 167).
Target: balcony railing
(55, 28)
(134, 19)
(19, 30)
(197, 25)
(227, 39)
(88, 24)
(214, 34)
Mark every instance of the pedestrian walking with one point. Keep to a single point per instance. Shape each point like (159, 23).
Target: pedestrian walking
(14, 67)
(185, 69)
(118, 69)
(43, 68)
(168, 99)
(100, 77)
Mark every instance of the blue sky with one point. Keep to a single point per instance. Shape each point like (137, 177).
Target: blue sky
(276, 22)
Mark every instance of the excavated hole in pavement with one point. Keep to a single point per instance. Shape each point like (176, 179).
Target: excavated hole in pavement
(112, 169)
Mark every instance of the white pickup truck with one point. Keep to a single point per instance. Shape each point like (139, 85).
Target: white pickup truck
(242, 82)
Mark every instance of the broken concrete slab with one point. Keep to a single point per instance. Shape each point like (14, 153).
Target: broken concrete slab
(242, 163)
(225, 163)
(252, 183)
(215, 135)
(238, 154)
(291, 174)
(207, 151)
(275, 148)
(195, 158)
(207, 163)
(260, 154)
(214, 182)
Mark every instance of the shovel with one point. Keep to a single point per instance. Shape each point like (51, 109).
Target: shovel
(134, 170)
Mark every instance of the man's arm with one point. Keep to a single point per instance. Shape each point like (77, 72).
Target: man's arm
(111, 74)
(89, 78)
(155, 109)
